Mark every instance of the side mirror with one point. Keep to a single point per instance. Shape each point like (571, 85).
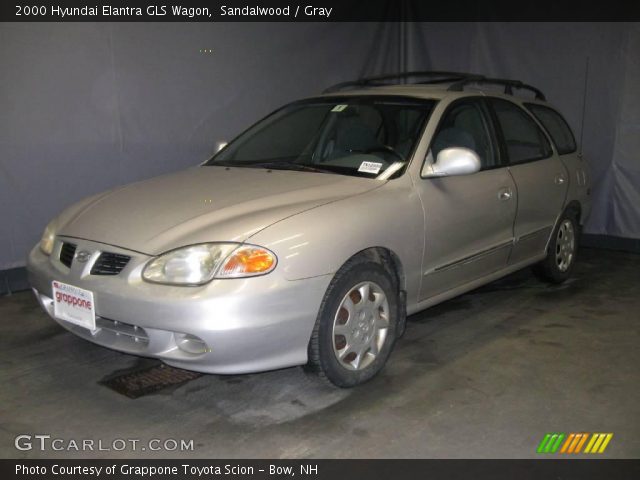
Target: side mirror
(452, 161)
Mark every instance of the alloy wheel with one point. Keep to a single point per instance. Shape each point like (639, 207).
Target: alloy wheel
(360, 326)
(565, 245)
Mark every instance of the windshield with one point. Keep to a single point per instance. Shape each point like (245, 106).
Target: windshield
(359, 136)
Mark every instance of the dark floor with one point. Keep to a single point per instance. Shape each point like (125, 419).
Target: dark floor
(483, 375)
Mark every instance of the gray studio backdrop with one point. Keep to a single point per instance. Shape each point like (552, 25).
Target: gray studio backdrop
(85, 107)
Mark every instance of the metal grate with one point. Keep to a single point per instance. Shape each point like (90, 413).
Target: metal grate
(109, 264)
(138, 382)
(67, 252)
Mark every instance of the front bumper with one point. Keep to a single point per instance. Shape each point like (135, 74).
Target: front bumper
(226, 326)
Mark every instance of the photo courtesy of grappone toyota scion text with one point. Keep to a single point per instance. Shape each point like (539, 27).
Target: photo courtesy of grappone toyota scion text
(309, 238)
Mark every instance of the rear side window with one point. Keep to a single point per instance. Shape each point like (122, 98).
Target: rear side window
(524, 139)
(557, 127)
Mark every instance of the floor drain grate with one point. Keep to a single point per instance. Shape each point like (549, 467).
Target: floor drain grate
(135, 384)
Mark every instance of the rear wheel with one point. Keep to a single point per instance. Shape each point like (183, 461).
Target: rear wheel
(357, 324)
(561, 256)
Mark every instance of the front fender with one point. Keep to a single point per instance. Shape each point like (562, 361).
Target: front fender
(319, 241)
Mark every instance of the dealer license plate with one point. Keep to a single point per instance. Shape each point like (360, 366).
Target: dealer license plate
(74, 304)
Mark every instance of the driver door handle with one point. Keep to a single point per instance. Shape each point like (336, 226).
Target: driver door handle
(505, 194)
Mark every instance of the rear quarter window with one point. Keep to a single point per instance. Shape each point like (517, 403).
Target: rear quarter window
(556, 126)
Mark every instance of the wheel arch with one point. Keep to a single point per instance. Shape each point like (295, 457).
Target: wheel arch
(391, 262)
(575, 209)
(388, 259)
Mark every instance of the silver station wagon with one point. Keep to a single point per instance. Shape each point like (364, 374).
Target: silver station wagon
(309, 238)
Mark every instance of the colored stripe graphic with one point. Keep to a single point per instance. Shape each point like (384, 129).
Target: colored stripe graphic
(598, 442)
(572, 447)
(606, 442)
(544, 442)
(581, 442)
(573, 443)
(557, 443)
(550, 443)
(565, 447)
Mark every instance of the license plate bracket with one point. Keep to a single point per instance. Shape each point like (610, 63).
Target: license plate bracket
(74, 305)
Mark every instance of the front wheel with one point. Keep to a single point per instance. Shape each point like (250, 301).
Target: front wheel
(561, 256)
(356, 326)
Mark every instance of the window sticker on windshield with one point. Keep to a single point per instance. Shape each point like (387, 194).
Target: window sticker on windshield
(370, 167)
(339, 108)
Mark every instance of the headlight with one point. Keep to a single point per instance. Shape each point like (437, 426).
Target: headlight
(48, 236)
(202, 263)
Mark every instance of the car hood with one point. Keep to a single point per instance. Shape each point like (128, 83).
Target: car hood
(202, 204)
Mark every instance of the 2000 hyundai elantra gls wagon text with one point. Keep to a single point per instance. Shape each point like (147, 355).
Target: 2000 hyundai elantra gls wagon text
(309, 238)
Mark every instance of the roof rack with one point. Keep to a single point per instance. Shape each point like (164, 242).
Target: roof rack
(509, 85)
(457, 80)
(445, 77)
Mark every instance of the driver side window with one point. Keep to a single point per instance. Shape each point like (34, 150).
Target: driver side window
(465, 125)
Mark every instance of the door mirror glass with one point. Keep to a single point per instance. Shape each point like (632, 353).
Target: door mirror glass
(452, 161)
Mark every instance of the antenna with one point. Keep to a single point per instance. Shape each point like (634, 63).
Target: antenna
(584, 102)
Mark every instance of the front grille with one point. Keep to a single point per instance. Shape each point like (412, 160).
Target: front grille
(109, 264)
(67, 252)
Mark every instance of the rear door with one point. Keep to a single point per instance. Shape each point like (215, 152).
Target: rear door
(468, 218)
(539, 175)
(565, 144)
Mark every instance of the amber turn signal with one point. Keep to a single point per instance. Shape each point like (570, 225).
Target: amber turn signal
(247, 261)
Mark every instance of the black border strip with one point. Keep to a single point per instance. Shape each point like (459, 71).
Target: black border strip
(347, 469)
(341, 11)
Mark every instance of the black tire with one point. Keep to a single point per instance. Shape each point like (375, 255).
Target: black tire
(555, 268)
(323, 357)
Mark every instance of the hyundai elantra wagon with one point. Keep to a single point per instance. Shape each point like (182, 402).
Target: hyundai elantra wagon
(309, 238)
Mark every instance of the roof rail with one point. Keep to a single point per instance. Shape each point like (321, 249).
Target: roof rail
(509, 85)
(378, 80)
(458, 81)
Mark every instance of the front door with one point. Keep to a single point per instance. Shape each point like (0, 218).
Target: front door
(468, 218)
